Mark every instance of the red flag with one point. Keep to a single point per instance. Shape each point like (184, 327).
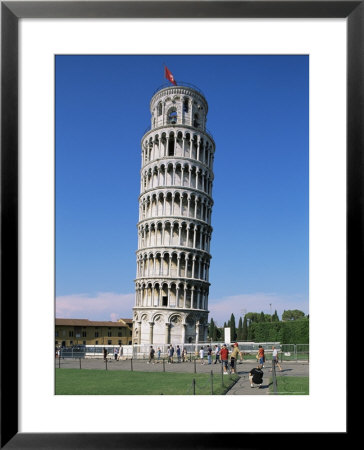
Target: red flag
(169, 76)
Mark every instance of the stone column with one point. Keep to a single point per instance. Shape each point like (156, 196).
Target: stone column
(178, 264)
(151, 332)
(183, 333)
(197, 332)
(183, 145)
(173, 176)
(179, 234)
(139, 332)
(172, 209)
(167, 333)
(192, 296)
(177, 295)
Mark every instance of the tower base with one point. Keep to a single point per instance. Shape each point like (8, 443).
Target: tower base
(155, 326)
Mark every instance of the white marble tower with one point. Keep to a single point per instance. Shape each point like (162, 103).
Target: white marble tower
(174, 228)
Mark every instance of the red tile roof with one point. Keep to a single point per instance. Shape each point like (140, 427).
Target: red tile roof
(90, 323)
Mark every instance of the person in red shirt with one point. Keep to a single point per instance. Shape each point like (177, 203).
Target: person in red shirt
(261, 357)
(224, 355)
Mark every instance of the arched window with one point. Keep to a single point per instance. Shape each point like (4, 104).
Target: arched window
(172, 116)
(185, 105)
(196, 120)
(159, 109)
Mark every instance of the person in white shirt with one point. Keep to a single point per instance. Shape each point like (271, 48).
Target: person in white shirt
(217, 354)
(202, 353)
(275, 359)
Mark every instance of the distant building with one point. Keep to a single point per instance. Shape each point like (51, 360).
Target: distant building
(70, 332)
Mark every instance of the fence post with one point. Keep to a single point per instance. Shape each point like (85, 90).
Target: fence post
(59, 361)
(80, 363)
(106, 363)
(194, 363)
(131, 364)
(222, 375)
(274, 376)
(194, 386)
(164, 366)
(212, 383)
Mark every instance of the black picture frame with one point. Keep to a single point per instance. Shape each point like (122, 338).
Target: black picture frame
(11, 12)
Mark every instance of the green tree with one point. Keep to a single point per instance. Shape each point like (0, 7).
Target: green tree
(262, 317)
(239, 333)
(245, 330)
(219, 333)
(252, 317)
(292, 314)
(275, 317)
(232, 327)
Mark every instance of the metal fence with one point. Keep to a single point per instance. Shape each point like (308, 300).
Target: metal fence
(295, 352)
(287, 352)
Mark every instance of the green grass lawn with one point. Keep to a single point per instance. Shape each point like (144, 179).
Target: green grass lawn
(102, 382)
(292, 386)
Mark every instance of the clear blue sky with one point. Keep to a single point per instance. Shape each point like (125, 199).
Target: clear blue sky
(258, 116)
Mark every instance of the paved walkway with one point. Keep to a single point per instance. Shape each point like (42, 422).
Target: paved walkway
(242, 387)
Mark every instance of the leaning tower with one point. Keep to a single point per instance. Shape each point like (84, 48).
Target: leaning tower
(174, 228)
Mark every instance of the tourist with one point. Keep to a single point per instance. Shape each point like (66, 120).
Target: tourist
(169, 354)
(224, 354)
(260, 356)
(234, 357)
(158, 353)
(217, 354)
(275, 359)
(209, 355)
(184, 355)
(178, 353)
(116, 352)
(256, 376)
(105, 353)
(151, 355)
(202, 354)
(172, 353)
